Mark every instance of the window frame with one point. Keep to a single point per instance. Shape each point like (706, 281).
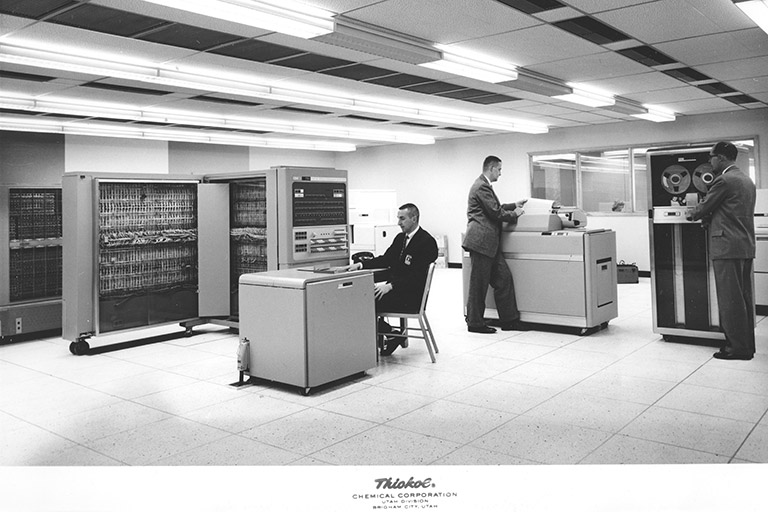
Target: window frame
(634, 209)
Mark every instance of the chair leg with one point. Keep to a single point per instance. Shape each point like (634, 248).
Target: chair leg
(431, 334)
(404, 330)
(425, 332)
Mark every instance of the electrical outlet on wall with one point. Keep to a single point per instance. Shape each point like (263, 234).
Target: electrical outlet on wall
(18, 325)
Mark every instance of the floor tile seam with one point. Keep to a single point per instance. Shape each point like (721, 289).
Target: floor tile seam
(751, 431)
(432, 435)
(608, 439)
(80, 385)
(744, 422)
(659, 399)
(725, 455)
(612, 432)
(602, 397)
(156, 461)
(470, 445)
(44, 372)
(738, 391)
(335, 443)
(168, 416)
(41, 427)
(226, 434)
(176, 414)
(209, 443)
(76, 443)
(118, 461)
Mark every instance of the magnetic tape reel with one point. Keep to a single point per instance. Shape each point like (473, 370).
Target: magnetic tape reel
(676, 179)
(703, 176)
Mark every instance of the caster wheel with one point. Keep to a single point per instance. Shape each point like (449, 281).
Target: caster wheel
(72, 348)
(81, 348)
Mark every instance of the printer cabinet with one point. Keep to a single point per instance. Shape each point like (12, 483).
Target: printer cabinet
(565, 277)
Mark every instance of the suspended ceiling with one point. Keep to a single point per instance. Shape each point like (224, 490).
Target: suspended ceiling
(687, 56)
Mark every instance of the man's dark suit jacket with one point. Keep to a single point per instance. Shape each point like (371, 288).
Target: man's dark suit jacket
(408, 274)
(729, 207)
(485, 215)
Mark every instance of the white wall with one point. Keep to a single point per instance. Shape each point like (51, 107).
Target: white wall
(261, 159)
(437, 177)
(106, 154)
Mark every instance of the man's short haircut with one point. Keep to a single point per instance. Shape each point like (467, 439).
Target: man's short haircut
(489, 162)
(725, 149)
(413, 210)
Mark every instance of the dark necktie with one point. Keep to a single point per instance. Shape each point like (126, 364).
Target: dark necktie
(405, 242)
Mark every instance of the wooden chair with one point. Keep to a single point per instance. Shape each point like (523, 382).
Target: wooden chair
(420, 316)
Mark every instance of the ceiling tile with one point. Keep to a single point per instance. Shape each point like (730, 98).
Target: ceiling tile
(312, 62)
(491, 99)
(641, 82)
(736, 69)
(558, 14)
(751, 85)
(591, 67)
(584, 117)
(533, 6)
(34, 9)
(432, 87)
(715, 48)
(450, 21)
(702, 106)
(186, 36)
(547, 110)
(592, 29)
(108, 20)
(664, 20)
(593, 6)
(256, 50)
(399, 80)
(359, 72)
(536, 45)
(682, 93)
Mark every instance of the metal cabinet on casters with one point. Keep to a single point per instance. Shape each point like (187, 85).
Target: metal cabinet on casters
(307, 328)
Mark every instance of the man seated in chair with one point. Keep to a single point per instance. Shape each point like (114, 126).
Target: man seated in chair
(407, 260)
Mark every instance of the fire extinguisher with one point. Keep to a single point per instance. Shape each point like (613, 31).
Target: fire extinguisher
(243, 355)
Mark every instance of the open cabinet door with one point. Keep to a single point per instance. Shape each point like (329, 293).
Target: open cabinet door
(213, 250)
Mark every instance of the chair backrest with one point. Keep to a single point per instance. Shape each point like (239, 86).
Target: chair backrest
(427, 285)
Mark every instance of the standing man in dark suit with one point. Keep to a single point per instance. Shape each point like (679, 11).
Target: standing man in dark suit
(408, 259)
(485, 215)
(728, 212)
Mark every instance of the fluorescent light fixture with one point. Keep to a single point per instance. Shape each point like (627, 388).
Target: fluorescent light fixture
(283, 16)
(73, 61)
(96, 129)
(374, 40)
(175, 116)
(628, 107)
(195, 79)
(757, 10)
(656, 114)
(538, 83)
(478, 67)
(587, 96)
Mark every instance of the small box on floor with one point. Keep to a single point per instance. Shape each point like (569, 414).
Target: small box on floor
(627, 272)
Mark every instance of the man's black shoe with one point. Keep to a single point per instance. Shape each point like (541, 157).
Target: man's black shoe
(390, 345)
(512, 326)
(483, 329)
(732, 356)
